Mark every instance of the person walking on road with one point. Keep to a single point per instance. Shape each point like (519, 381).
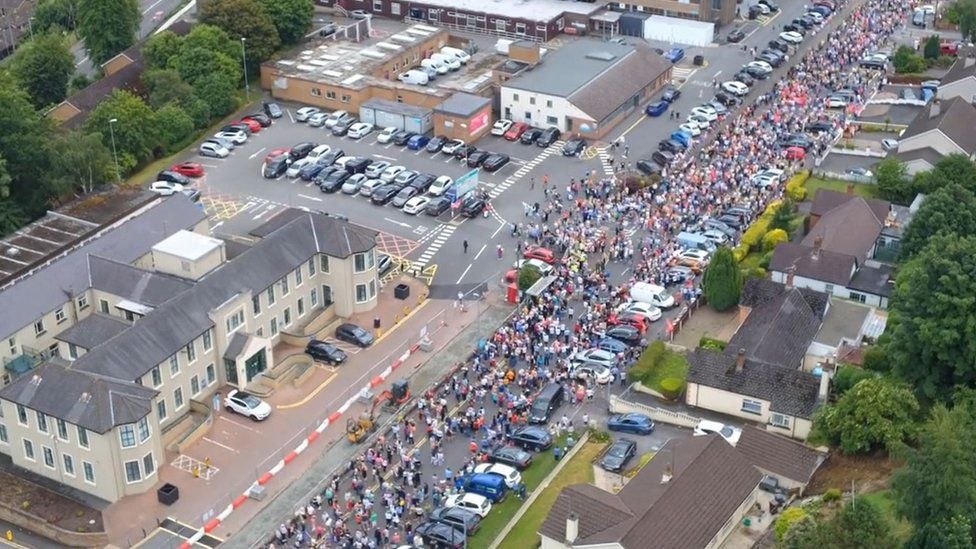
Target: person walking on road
(465, 244)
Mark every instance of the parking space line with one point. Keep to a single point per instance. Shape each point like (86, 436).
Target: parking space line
(224, 446)
(315, 198)
(259, 151)
(241, 425)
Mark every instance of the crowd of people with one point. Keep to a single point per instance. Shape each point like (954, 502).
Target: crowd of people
(380, 497)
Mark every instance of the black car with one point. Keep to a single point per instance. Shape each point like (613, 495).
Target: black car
(779, 45)
(457, 517)
(626, 334)
(436, 143)
(273, 110)
(495, 162)
(875, 64)
(574, 146)
(771, 58)
(476, 158)
(238, 128)
(438, 534)
(403, 195)
(745, 78)
(311, 171)
(511, 455)
(260, 118)
(736, 36)
(423, 182)
(276, 167)
(325, 352)
(648, 167)
(548, 137)
(437, 206)
(663, 158)
(727, 99)
(350, 333)
(795, 28)
(618, 455)
(342, 126)
(530, 135)
(532, 438)
(732, 221)
(401, 137)
(804, 22)
(330, 157)
(773, 7)
(670, 94)
(472, 207)
(670, 145)
(818, 127)
(384, 194)
(358, 164)
(465, 151)
(333, 182)
(174, 177)
(756, 72)
(754, 12)
(301, 150)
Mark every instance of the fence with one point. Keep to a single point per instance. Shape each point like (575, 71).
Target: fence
(863, 179)
(663, 415)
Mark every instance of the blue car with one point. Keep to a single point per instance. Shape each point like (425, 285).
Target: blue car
(309, 171)
(611, 345)
(656, 108)
(631, 423)
(417, 142)
(675, 54)
(681, 137)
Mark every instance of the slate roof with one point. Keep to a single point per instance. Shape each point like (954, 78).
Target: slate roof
(84, 399)
(709, 481)
(93, 330)
(759, 291)
(604, 95)
(790, 391)
(49, 287)
(236, 344)
(963, 68)
(830, 267)
(778, 331)
(132, 283)
(826, 200)
(779, 455)
(956, 119)
(874, 280)
(927, 154)
(186, 316)
(851, 228)
(334, 236)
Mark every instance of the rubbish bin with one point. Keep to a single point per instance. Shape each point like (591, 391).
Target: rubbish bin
(376, 323)
(167, 494)
(699, 60)
(401, 291)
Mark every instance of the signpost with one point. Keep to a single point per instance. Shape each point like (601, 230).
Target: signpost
(463, 186)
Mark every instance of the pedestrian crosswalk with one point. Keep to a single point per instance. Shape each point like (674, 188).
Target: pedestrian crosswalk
(525, 169)
(682, 73)
(605, 157)
(437, 238)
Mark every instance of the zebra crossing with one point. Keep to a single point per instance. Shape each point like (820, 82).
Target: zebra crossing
(605, 156)
(437, 238)
(525, 169)
(682, 73)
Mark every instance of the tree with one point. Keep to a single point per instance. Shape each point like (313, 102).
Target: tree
(217, 92)
(43, 67)
(906, 61)
(24, 145)
(931, 48)
(215, 39)
(722, 281)
(292, 18)
(108, 27)
(786, 521)
(244, 19)
(955, 168)
(165, 86)
(196, 63)
(874, 413)
(950, 210)
(83, 162)
(174, 125)
(848, 376)
(963, 13)
(160, 48)
(774, 238)
(951, 533)
(859, 524)
(527, 276)
(893, 182)
(933, 321)
(783, 217)
(62, 14)
(134, 132)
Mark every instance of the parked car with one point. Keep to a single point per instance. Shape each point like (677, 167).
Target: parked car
(495, 162)
(590, 372)
(304, 113)
(476, 503)
(189, 169)
(276, 167)
(360, 130)
(515, 131)
(247, 404)
(639, 424)
(473, 206)
(435, 144)
(511, 455)
(477, 158)
(675, 54)
(452, 146)
(457, 517)
(238, 137)
(317, 120)
(417, 142)
(532, 438)
(386, 135)
(325, 352)
(529, 136)
(350, 333)
(509, 474)
(707, 427)
(404, 195)
(437, 206)
(627, 334)
(273, 110)
(416, 205)
(174, 177)
(736, 36)
(501, 126)
(656, 108)
(670, 94)
(165, 188)
(617, 456)
(574, 146)
(440, 185)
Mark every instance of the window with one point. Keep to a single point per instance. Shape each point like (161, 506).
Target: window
(361, 296)
(298, 277)
(501, 24)
(828, 289)
(256, 305)
(69, 464)
(532, 100)
(549, 103)
(48, 456)
(326, 295)
(89, 472)
(859, 297)
(284, 285)
(62, 429)
(132, 473)
(378, 5)
(174, 365)
(12, 342)
(235, 321)
(208, 340)
(274, 326)
(515, 97)
(72, 351)
(271, 295)
(345, 98)
(519, 28)
(143, 426)
(82, 437)
(311, 267)
(82, 302)
(161, 409)
(39, 327)
(103, 306)
(372, 289)
(360, 262)
(21, 415)
(29, 450)
(286, 316)
(178, 397)
(528, 115)
(552, 120)
(194, 385)
(329, 94)
(301, 306)
(779, 420)
(211, 374)
(316, 92)
(157, 377)
(148, 464)
(3, 434)
(324, 263)
(191, 352)
(313, 297)
(751, 406)
(259, 332)
(60, 316)
(127, 434)
(41, 422)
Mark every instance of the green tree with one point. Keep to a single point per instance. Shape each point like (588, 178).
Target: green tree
(964, 13)
(774, 238)
(83, 163)
(43, 67)
(108, 27)
(875, 413)
(950, 210)
(783, 217)
(24, 145)
(955, 168)
(165, 86)
(50, 14)
(78, 82)
(217, 92)
(931, 48)
(859, 524)
(893, 182)
(160, 48)
(933, 321)
(848, 376)
(805, 533)
(134, 130)
(194, 64)
(174, 125)
(786, 521)
(527, 276)
(292, 18)
(12, 216)
(951, 533)
(244, 19)
(213, 38)
(906, 61)
(722, 281)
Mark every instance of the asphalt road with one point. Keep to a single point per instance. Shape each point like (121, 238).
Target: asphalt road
(154, 12)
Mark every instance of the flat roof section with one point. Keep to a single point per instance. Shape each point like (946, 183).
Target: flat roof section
(542, 11)
(571, 67)
(462, 104)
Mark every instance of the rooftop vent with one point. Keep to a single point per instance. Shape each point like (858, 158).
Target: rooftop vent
(601, 56)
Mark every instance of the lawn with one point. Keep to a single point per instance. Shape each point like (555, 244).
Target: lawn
(861, 189)
(885, 501)
(671, 366)
(578, 470)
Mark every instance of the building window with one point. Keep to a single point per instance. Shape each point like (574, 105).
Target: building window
(298, 277)
(329, 94)
(72, 351)
(274, 326)
(361, 295)
(29, 450)
(311, 267)
(174, 365)
(62, 429)
(519, 28)
(127, 434)
(148, 464)
(259, 332)
(549, 103)
(194, 385)
(3, 434)
(39, 327)
(161, 409)
(779, 420)
(235, 321)
(256, 305)
(211, 374)
(143, 430)
(12, 342)
(284, 285)
(271, 295)
(69, 465)
(528, 115)
(378, 5)
(82, 437)
(103, 306)
(41, 422)
(324, 263)
(60, 316)
(21, 415)
(286, 316)
(178, 397)
(316, 92)
(326, 295)
(301, 306)
(515, 97)
(364, 261)
(345, 98)
(532, 100)
(552, 120)
(313, 297)
(89, 472)
(132, 473)
(751, 406)
(82, 302)
(191, 352)
(859, 297)
(501, 24)
(157, 377)
(829, 289)
(48, 456)
(208, 340)
(372, 289)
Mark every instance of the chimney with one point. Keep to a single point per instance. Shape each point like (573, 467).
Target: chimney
(572, 528)
(817, 246)
(790, 273)
(850, 189)
(740, 361)
(935, 109)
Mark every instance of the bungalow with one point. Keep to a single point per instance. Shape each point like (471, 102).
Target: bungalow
(942, 128)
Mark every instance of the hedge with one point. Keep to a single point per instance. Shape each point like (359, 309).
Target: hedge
(740, 252)
(774, 238)
(711, 343)
(753, 236)
(647, 361)
(796, 189)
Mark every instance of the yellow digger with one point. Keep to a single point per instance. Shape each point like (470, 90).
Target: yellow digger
(358, 429)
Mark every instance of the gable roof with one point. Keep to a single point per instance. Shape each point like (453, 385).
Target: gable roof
(87, 400)
(955, 118)
(788, 390)
(335, 236)
(779, 455)
(604, 95)
(93, 330)
(759, 291)
(779, 331)
(826, 200)
(963, 68)
(132, 283)
(851, 228)
(827, 266)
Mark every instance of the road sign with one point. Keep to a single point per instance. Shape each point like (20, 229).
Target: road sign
(463, 185)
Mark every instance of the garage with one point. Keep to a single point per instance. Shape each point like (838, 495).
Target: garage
(463, 116)
(384, 114)
(679, 31)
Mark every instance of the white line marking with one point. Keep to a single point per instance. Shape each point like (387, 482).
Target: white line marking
(380, 156)
(290, 116)
(216, 225)
(261, 150)
(718, 73)
(498, 230)
(151, 6)
(224, 446)
(315, 198)
(83, 59)
(241, 425)
(477, 255)
(464, 273)
(400, 223)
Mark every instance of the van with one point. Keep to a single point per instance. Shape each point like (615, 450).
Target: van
(918, 19)
(432, 68)
(695, 241)
(460, 55)
(491, 486)
(653, 294)
(545, 403)
(451, 61)
(414, 77)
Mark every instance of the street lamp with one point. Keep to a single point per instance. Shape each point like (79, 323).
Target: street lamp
(115, 154)
(30, 26)
(247, 87)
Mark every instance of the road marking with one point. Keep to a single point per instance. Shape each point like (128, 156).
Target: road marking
(83, 59)
(214, 228)
(494, 234)
(315, 198)
(151, 6)
(464, 273)
(770, 19)
(259, 151)
(290, 116)
(310, 396)
(260, 215)
(400, 223)
(224, 446)
(717, 74)
(241, 425)
(477, 255)
(383, 157)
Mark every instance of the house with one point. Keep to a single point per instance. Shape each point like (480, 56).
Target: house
(15, 21)
(942, 128)
(960, 80)
(690, 495)
(150, 324)
(847, 325)
(585, 87)
(790, 462)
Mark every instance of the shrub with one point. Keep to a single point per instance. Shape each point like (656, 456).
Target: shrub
(672, 387)
(774, 238)
(755, 233)
(796, 189)
(831, 495)
(740, 252)
(711, 343)
(876, 359)
(599, 435)
(848, 376)
(931, 48)
(787, 519)
(647, 361)
(766, 259)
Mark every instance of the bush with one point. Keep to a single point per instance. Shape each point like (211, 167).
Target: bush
(647, 361)
(796, 189)
(766, 259)
(876, 359)
(712, 344)
(774, 238)
(831, 495)
(931, 48)
(755, 233)
(740, 252)
(599, 435)
(848, 376)
(787, 519)
(527, 276)
(672, 387)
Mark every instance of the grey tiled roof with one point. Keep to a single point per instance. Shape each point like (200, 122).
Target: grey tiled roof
(236, 344)
(826, 200)
(830, 267)
(778, 331)
(604, 95)
(780, 455)
(88, 400)
(789, 390)
(956, 119)
(850, 228)
(333, 236)
(963, 68)
(93, 331)
(874, 280)
(132, 283)
(759, 291)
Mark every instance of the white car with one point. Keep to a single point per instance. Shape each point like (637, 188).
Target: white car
(386, 135)
(235, 137)
(763, 8)
(374, 170)
(166, 188)
(691, 129)
(927, 8)
(591, 370)
(416, 205)
(317, 119)
(501, 126)
(369, 186)
(247, 404)
(645, 310)
(544, 268)
(837, 102)
(596, 356)
(213, 150)
(716, 236)
(889, 144)
(475, 503)
(702, 122)
(816, 16)
(297, 165)
(761, 65)
(319, 151)
(707, 427)
(359, 130)
(304, 113)
(390, 173)
(354, 183)
(440, 185)
(334, 118)
(767, 178)
(511, 475)
(791, 37)
(452, 146)
(706, 113)
(735, 88)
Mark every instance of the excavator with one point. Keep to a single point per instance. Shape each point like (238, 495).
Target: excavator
(358, 429)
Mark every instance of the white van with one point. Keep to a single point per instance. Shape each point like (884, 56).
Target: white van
(449, 60)
(650, 293)
(414, 77)
(439, 67)
(461, 55)
(334, 118)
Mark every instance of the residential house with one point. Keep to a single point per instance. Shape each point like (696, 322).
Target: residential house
(847, 326)
(15, 23)
(941, 128)
(790, 462)
(960, 80)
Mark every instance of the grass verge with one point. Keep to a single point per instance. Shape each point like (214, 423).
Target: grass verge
(673, 366)
(861, 189)
(885, 502)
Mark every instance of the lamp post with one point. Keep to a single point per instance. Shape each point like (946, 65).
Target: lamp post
(247, 87)
(115, 154)
(30, 26)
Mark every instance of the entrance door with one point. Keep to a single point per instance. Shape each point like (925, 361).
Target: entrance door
(230, 368)
(255, 365)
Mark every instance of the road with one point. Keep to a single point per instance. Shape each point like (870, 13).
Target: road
(154, 12)
(22, 539)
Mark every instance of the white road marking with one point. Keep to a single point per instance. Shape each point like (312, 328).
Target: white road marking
(498, 230)
(224, 446)
(216, 225)
(477, 255)
(259, 151)
(400, 223)
(83, 59)
(151, 6)
(241, 425)
(717, 74)
(290, 116)
(381, 157)
(315, 198)
(464, 273)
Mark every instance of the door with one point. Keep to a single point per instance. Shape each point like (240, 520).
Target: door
(255, 365)
(230, 368)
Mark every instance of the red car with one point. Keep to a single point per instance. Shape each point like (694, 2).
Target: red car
(540, 253)
(189, 169)
(795, 153)
(253, 124)
(276, 153)
(516, 130)
(628, 319)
